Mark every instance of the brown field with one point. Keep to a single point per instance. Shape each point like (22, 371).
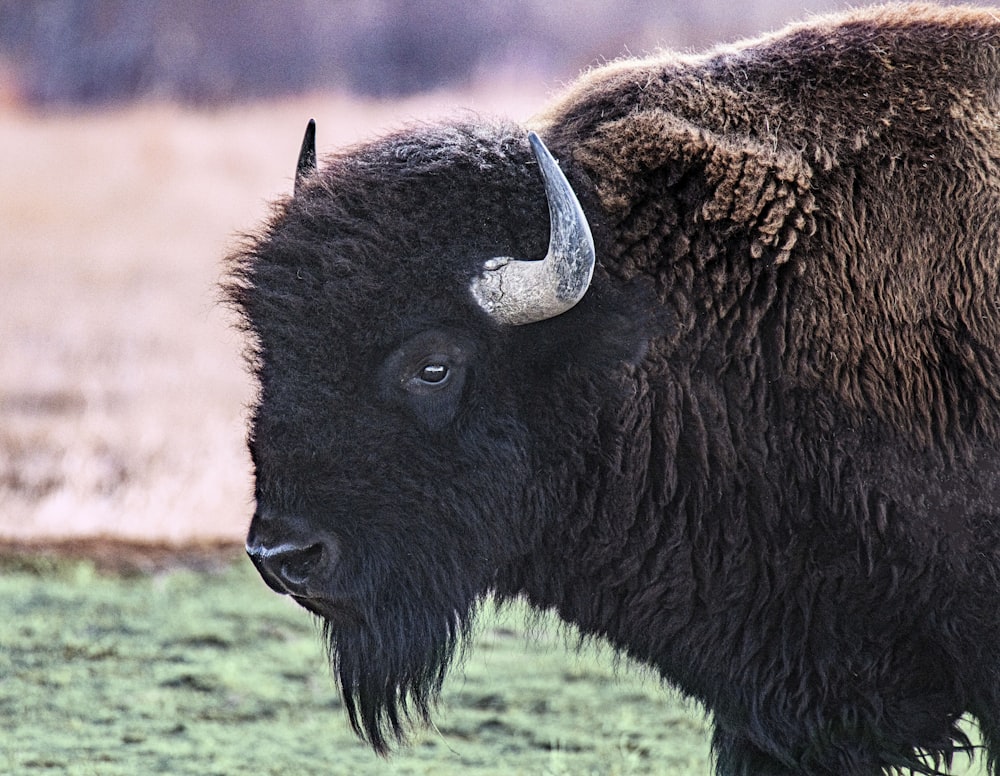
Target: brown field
(122, 392)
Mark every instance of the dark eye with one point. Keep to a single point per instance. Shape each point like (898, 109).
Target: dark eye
(427, 374)
(433, 374)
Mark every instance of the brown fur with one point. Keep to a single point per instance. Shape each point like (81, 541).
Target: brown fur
(762, 454)
(867, 132)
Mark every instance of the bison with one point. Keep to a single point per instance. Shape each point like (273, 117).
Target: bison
(707, 362)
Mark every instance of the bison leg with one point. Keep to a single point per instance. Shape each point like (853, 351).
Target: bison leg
(737, 756)
(989, 729)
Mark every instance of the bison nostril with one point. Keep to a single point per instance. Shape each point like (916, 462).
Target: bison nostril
(288, 568)
(297, 566)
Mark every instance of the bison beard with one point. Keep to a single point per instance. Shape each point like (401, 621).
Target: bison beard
(391, 672)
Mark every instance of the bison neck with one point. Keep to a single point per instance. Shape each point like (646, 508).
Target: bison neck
(653, 551)
(712, 525)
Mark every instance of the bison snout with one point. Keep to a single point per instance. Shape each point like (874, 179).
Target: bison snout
(291, 557)
(291, 568)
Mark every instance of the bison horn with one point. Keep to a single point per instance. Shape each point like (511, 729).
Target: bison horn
(307, 155)
(519, 292)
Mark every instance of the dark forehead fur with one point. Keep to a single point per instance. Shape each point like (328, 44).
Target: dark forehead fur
(399, 224)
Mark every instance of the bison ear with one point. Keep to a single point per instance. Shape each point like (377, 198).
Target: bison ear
(306, 164)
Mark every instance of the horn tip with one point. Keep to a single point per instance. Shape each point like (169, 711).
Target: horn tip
(307, 154)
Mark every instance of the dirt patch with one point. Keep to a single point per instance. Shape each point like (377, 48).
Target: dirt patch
(119, 557)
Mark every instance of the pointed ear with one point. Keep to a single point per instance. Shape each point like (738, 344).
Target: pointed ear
(735, 182)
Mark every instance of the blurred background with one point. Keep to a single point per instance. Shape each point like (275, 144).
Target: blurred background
(92, 52)
(140, 138)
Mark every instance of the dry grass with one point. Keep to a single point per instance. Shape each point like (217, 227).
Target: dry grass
(122, 393)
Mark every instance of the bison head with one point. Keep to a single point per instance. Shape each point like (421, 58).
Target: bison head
(430, 392)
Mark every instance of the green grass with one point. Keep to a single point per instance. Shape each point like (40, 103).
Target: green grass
(210, 673)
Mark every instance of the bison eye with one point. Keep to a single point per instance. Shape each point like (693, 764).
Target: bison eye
(427, 374)
(433, 374)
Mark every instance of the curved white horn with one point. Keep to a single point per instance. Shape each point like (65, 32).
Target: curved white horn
(519, 292)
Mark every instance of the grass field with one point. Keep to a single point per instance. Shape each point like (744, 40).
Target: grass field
(208, 672)
(204, 673)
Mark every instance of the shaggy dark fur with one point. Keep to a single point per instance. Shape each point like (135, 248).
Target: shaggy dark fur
(762, 454)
